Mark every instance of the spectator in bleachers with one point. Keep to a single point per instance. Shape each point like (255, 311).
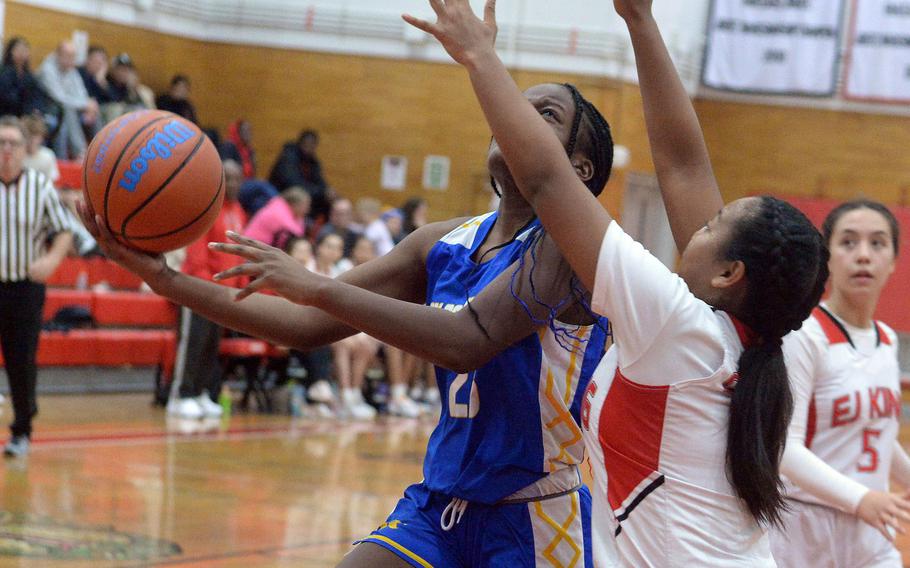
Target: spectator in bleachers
(124, 88)
(23, 275)
(94, 74)
(394, 220)
(197, 369)
(298, 165)
(414, 211)
(177, 99)
(38, 156)
(341, 223)
(240, 145)
(301, 250)
(63, 83)
(352, 355)
(317, 362)
(255, 194)
(20, 92)
(369, 212)
(282, 218)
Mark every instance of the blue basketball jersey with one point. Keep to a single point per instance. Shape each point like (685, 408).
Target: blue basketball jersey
(514, 420)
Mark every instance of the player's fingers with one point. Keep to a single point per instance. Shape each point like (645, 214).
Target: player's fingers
(883, 528)
(489, 12)
(244, 251)
(422, 25)
(250, 289)
(438, 7)
(238, 238)
(86, 216)
(899, 512)
(245, 269)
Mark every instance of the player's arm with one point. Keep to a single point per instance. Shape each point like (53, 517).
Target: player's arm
(535, 156)
(506, 311)
(678, 149)
(400, 274)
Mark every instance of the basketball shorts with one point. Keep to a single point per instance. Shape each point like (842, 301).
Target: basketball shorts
(815, 535)
(553, 531)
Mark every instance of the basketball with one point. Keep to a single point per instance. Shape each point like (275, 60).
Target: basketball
(155, 179)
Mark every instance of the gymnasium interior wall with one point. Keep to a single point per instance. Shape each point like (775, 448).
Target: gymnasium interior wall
(367, 107)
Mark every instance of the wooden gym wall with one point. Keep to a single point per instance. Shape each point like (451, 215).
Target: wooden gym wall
(363, 107)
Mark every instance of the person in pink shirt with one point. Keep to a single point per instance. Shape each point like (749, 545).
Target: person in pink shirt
(282, 218)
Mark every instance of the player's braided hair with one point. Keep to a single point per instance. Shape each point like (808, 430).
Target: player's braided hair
(786, 267)
(591, 132)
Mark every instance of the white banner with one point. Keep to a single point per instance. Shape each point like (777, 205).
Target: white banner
(878, 67)
(774, 46)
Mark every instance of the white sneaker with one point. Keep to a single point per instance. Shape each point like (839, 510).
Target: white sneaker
(185, 408)
(210, 409)
(319, 410)
(359, 410)
(404, 407)
(321, 391)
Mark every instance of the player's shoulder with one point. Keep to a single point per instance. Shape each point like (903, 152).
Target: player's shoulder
(809, 337)
(888, 332)
(423, 239)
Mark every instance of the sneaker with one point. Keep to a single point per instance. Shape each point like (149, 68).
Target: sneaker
(319, 410)
(360, 411)
(17, 447)
(404, 407)
(321, 391)
(210, 409)
(185, 408)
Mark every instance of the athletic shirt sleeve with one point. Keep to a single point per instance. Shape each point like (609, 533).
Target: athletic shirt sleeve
(804, 354)
(663, 333)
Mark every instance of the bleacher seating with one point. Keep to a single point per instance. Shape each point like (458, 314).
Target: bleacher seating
(132, 327)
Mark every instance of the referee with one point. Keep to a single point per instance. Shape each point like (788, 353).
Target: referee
(30, 213)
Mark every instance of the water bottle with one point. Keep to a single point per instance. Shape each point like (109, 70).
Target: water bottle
(298, 399)
(225, 399)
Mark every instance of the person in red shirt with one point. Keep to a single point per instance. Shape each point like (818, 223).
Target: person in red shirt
(197, 372)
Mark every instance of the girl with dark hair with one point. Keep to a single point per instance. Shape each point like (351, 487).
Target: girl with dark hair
(20, 92)
(414, 212)
(240, 137)
(686, 417)
(508, 442)
(688, 412)
(842, 443)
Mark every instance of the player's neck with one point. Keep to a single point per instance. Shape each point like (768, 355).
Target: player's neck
(514, 213)
(855, 311)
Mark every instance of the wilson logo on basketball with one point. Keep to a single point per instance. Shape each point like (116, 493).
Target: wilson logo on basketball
(159, 146)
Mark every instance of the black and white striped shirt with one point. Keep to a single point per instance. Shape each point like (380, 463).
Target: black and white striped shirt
(30, 210)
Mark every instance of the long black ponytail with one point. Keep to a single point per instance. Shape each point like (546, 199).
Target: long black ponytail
(786, 265)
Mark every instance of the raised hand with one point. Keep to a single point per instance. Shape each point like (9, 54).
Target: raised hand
(463, 35)
(149, 267)
(270, 269)
(628, 9)
(884, 511)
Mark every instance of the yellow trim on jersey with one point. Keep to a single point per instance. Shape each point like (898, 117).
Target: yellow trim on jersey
(413, 556)
(563, 416)
(562, 533)
(570, 372)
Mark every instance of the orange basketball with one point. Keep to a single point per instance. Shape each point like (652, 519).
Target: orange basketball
(155, 179)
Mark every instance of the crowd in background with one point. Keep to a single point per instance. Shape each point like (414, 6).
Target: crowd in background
(292, 206)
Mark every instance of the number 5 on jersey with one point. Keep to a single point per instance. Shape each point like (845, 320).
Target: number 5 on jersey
(460, 409)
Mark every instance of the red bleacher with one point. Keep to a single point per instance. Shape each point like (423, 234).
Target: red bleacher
(135, 328)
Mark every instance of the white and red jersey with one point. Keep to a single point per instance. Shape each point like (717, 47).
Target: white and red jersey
(847, 404)
(655, 421)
